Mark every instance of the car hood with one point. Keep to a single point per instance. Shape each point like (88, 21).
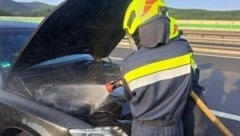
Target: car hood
(75, 26)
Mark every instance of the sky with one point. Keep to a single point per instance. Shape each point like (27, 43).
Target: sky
(222, 5)
(52, 2)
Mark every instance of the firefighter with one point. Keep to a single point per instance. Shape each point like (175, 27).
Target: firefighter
(157, 78)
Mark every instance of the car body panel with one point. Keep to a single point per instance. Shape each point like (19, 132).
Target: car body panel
(43, 122)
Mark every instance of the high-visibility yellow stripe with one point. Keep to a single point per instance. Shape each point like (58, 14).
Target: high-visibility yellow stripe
(158, 66)
(159, 76)
(193, 63)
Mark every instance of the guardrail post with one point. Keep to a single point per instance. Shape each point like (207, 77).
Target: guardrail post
(216, 25)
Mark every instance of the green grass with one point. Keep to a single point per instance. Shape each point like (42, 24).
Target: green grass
(22, 19)
(210, 26)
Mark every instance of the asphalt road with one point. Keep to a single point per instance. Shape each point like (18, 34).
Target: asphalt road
(220, 75)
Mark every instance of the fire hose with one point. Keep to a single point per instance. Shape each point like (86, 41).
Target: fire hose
(110, 86)
(210, 115)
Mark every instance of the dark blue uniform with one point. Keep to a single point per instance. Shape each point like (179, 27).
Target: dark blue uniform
(157, 84)
(194, 121)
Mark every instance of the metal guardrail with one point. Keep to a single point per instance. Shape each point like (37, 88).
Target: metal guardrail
(209, 37)
(214, 42)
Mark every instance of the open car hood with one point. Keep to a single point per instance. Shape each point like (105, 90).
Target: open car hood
(75, 26)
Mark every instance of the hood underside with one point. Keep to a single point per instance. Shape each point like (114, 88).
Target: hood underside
(75, 26)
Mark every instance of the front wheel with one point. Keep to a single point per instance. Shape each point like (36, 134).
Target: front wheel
(15, 132)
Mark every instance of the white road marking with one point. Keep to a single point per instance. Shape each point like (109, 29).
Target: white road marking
(116, 58)
(226, 115)
(124, 47)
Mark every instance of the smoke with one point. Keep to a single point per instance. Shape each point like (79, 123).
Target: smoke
(94, 95)
(83, 99)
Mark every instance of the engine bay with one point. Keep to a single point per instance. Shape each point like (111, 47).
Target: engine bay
(78, 89)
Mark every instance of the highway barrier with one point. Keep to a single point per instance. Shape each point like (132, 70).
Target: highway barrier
(214, 42)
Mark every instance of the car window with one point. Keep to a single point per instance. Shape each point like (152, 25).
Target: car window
(11, 42)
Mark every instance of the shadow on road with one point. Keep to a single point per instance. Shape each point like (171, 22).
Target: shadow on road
(219, 98)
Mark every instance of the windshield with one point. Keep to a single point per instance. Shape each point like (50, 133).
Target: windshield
(11, 42)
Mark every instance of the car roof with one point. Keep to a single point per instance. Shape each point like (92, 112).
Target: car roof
(17, 25)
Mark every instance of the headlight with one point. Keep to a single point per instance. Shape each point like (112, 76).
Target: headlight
(99, 131)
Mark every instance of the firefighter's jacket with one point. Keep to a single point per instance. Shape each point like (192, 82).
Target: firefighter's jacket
(157, 81)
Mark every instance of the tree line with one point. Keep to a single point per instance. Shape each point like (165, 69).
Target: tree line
(197, 14)
(34, 13)
(183, 14)
(5, 13)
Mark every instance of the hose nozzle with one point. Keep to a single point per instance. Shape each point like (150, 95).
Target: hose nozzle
(110, 86)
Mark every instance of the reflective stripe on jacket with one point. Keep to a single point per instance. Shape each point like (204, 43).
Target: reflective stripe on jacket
(158, 80)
